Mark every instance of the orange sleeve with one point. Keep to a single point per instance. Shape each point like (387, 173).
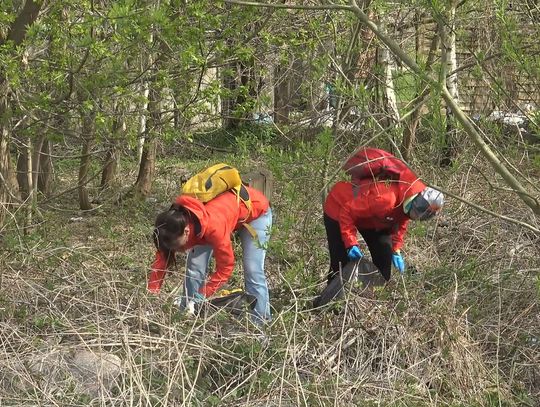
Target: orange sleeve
(399, 234)
(157, 274)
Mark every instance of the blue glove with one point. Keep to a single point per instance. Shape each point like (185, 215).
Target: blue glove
(198, 298)
(354, 253)
(398, 262)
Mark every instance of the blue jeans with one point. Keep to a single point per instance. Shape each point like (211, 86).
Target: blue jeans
(254, 253)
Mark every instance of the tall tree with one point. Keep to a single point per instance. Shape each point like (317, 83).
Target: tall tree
(447, 30)
(16, 34)
(422, 91)
(386, 80)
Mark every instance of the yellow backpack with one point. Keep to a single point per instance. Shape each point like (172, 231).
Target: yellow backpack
(215, 180)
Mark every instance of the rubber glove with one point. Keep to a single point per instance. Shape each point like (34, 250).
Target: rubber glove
(398, 262)
(354, 253)
(198, 298)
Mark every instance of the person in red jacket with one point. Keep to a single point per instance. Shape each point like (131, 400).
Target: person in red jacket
(380, 210)
(204, 229)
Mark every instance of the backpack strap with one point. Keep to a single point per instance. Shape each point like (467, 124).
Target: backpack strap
(243, 195)
(251, 230)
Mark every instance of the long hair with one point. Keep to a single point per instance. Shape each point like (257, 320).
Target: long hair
(169, 225)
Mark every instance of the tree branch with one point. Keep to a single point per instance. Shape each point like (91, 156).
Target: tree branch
(290, 6)
(485, 210)
(489, 154)
(26, 17)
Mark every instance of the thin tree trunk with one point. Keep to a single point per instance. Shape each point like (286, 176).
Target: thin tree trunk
(142, 121)
(7, 186)
(350, 67)
(110, 167)
(25, 166)
(228, 77)
(282, 94)
(145, 90)
(409, 132)
(36, 161)
(449, 62)
(29, 180)
(9, 190)
(43, 162)
(22, 171)
(388, 94)
(45, 175)
(88, 125)
(452, 77)
(27, 16)
(143, 185)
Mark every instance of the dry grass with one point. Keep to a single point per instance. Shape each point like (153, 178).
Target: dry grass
(461, 331)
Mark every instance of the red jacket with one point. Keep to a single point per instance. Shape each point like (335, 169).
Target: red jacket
(218, 218)
(377, 205)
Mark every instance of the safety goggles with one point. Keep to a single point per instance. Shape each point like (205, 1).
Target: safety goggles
(421, 209)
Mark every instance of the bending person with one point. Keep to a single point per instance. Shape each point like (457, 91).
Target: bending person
(205, 229)
(379, 207)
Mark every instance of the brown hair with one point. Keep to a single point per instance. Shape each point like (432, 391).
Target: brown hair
(169, 225)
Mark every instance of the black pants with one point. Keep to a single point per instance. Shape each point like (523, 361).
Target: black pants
(379, 243)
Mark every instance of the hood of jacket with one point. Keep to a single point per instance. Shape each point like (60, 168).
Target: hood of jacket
(197, 208)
